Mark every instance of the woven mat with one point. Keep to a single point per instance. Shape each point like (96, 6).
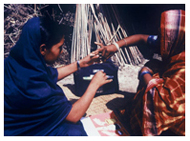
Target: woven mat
(100, 104)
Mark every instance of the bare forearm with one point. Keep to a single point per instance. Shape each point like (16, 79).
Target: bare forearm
(109, 50)
(66, 70)
(71, 68)
(80, 107)
(146, 79)
(146, 75)
(133, 40)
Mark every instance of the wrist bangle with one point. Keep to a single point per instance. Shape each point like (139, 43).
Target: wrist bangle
(78, 65)
(143, 73)
(117, 46)
(125, 42)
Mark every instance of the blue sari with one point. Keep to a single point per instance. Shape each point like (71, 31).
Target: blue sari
(33, 103)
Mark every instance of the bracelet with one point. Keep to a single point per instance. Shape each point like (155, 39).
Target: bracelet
(117, 46)
(143, 73)
(125, 42)
(78, 65)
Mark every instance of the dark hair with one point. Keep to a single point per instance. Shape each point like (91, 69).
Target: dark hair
(51, 32)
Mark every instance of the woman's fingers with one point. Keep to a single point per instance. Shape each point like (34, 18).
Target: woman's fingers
(108, 81)
(100, 44)
(92, 55)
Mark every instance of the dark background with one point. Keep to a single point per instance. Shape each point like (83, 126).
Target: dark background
(137, 18)
(144, 18)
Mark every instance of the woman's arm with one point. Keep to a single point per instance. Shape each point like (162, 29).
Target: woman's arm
(108, 51)
(79, 107)
(66, 70)
(71, 68)
(145, 75)
(133, 40)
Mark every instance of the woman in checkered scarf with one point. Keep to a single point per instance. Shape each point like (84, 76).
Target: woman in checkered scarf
(159, 104)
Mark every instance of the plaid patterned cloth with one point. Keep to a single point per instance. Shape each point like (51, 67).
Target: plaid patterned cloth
(172, 30)
(161, 105)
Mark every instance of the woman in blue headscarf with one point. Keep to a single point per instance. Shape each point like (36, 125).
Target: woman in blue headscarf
(33, 103)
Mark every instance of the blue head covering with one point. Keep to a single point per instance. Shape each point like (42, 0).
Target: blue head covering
(33, 103)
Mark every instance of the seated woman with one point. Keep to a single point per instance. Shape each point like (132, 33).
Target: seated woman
(33, 103)
(159, 105)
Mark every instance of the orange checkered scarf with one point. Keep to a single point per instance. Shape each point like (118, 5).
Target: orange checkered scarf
(172, 27)
(161, 105)
(168, 97)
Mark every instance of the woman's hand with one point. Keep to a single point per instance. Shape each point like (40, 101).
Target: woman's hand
(107, 51)
(92, 58)
(100, 79)
(73, 67)
(80, 106)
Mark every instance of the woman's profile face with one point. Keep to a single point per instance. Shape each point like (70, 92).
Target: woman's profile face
(53, 53)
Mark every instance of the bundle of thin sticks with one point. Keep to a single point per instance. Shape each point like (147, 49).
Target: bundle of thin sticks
(89, 20)
(81, 40)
